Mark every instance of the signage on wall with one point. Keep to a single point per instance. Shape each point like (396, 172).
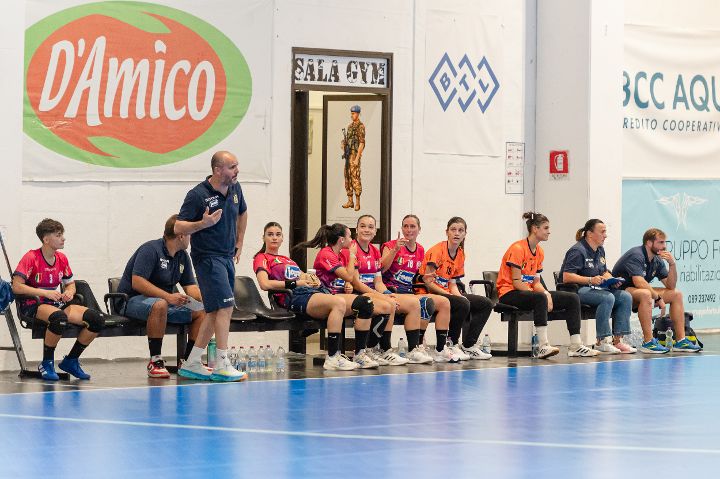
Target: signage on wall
(514, 168)
(335, 70)
(468, 83)
(559, 164)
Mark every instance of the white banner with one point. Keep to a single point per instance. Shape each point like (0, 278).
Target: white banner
(332, 70)
(132, 91)
(671, 102)
(463, 108)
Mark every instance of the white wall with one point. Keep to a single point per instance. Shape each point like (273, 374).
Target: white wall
(106, 221)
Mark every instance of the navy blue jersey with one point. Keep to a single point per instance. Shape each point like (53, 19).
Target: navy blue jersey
(582, 260)
(635, 263)
(153, 262)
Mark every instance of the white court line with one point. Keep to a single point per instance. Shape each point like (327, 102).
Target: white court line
(363, 437)
(363, 376)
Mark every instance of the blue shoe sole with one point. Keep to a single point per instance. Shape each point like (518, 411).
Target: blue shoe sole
(227, 379)
(191, 375)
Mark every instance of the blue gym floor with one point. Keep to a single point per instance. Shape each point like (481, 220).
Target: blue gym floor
(655, 417)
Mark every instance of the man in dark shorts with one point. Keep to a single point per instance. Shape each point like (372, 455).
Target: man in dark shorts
(215, 214)
(149, 280)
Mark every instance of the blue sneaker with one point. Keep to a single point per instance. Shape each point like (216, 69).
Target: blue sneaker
(653, 347)
(686, 346)
(72, 366)
(427, 308)
(47, 370)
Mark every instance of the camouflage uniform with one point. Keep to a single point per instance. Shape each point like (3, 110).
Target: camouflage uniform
(355, 137)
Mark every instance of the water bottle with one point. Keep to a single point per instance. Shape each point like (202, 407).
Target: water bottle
(233, 357)
(261, 359)
(402, 348)
(242, 359)
(669, 338)
(269, 359)
(212, 353)
(280, 360)
(486, 345)
(253, 361)
(535, 345)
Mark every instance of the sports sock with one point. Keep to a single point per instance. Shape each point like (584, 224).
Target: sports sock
(195, 355)
(360, 340)
(333, 343)
(575, 340)
(385, 341)
(441, 335)
(221, 358)
(421, 336)
(48, 352)
(412, 338)
(155, 345)
(76, 350)
(542, 335)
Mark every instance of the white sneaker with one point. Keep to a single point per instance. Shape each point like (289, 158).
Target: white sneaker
(194, 370)
(625, 348)
(476, 353)
(339, 362)
(377, 355)
(447, 355)
(391, 358)
(582, 351)
(419, 356)
(457, 350)
(546, 351)
(606, 347)
(364, 361)
(226, 373)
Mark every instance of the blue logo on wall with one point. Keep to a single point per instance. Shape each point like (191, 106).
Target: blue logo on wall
(469, 83)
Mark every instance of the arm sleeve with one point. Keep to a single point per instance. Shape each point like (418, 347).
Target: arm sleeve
(573, 261)
(515, 257)
(460, 268)
(25, 267)
(145, 262)
(243, 205)
(191, 209)
(260, 263)
(635, 266)
(662, 272)
(67, 274)
(361, 134)
(187, 278)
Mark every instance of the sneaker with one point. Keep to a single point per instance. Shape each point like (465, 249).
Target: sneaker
(364, 361)
(460, 353)
(339, 362)
(582, 351)
(156, 369)
(419, 356)
(225, 372)
(377, 355)
(686, 346)
(546, 351)
(476, 353)
(606, 347)
(625, 348)
(47, 370)
(194, 370)
(427, 308)
(391, 358)
(72, 366)
(447, 355)
(653, 347)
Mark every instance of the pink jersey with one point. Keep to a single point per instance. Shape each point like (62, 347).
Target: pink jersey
(38, 273)
(277, 267)
(326, 262)
(368, 264)
(405, 265)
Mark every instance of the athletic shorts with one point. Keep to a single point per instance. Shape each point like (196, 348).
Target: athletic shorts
(216, 279)
(30, 310)
(138, 307)
(300, 298)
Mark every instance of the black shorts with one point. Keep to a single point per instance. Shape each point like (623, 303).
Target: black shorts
(30, 310)
(300, 298)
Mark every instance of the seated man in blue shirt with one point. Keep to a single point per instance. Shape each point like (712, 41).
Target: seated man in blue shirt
(150, 280)
(639, 266)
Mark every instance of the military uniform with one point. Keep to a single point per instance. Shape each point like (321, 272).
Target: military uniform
(355, 137)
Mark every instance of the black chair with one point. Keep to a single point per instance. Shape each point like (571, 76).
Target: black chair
(586, 311)
(248, 302)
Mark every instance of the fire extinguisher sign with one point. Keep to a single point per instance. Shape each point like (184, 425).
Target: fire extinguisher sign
(559, 164)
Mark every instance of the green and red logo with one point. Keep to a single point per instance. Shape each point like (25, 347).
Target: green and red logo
(131, 85)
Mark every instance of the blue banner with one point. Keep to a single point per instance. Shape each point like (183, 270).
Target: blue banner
(687, 212)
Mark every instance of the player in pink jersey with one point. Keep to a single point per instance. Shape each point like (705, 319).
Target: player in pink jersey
(336, 275)
(368, 280)
(401, 260)
(309, 296)
(38, 275)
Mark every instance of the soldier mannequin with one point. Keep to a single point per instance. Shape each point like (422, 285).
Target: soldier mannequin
(353, 145)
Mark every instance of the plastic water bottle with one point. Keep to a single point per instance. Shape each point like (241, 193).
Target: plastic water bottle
(212, 353)
(486, 345)
(402, 348)
(535, 345)
(233, 357)
(280, 360)
(669, 338)
(269, 359)
(242, 359)
(253, 360)
(261, 359)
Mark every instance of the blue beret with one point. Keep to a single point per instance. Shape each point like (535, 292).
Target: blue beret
(355, 109)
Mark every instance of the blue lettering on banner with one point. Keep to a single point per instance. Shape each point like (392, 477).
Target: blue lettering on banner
(467, 82)
(699, 94)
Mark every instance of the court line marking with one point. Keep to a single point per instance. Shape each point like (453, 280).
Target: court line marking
(365, 437)
(364, 376)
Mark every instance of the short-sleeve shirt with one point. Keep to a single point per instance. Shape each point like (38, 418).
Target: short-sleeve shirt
(368, 265)
(520, 256)
(152, 261)
(38, 273)
(635, 262)
(326, 262)
(355, 135)
(582, 260)
(448, 268)
(219, 239)
(278, 268)
(401, 273)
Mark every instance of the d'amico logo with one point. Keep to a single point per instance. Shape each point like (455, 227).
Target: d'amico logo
(131, 85)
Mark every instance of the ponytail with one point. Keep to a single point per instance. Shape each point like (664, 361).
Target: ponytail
(589, 226)
(327, 235)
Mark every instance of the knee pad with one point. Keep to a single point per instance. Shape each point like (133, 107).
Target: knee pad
(93, 320)
(57, 322)
(363, 307)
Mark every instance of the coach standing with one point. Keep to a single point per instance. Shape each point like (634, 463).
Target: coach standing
(215, 214)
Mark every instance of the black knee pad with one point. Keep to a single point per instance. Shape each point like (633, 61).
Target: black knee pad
(93, 320)
(57, 322)
(363, 307)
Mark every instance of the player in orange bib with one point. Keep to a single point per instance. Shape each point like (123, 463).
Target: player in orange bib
(519, 285)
